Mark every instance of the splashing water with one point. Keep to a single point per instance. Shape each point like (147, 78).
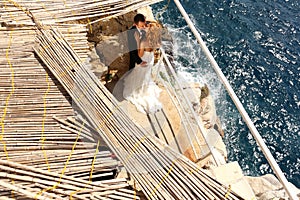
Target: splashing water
(257, 46)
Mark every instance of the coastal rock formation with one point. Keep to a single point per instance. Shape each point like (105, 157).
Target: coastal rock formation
(204, 106)
(267, 187)
(110, 40)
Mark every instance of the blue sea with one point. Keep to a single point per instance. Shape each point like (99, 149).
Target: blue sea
(257, 45)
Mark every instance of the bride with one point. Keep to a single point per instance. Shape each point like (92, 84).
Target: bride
(139, 87)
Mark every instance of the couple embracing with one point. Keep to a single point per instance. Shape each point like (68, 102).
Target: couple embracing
(137, 85)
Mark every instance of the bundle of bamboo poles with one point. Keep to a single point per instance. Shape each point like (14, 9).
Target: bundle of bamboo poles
(72, 172)
(29, 96)
(160, 172)
(57, 11)
(84, 161)
(35, 183)
(31, 137)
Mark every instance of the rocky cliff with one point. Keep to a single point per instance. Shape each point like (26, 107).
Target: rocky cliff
(108, 42)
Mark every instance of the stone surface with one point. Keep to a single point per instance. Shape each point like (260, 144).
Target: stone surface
(113, 52)
(268, 187)
(232, 176)
(193, 92)
(97, 66)
(110, 27)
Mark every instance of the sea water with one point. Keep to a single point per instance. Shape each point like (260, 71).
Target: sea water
(257, 46)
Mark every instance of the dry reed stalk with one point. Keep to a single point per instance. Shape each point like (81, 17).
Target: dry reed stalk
(60, 161)
(52, 147)
(36, 180)
(86, 176)
(60, 191)
(84, 132)
(43, 183)
(66, 179)
(20, 190)
(74, 169)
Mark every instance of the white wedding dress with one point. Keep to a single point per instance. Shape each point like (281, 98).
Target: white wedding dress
(139, 88)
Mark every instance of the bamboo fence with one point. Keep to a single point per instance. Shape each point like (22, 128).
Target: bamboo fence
(38, 133)
(29, 96)
(160, 171)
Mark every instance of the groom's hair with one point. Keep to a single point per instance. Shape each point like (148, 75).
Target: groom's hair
(139, 18)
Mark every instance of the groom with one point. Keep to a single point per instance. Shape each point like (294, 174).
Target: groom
(134, 39)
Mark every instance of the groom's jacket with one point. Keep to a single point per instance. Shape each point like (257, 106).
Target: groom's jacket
(132, 45)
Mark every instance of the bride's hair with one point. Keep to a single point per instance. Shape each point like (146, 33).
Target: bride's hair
(153, 35)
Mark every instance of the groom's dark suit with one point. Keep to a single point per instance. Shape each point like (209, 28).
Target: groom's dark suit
(132, 45)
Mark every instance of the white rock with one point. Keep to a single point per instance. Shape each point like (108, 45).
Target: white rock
(268, 187)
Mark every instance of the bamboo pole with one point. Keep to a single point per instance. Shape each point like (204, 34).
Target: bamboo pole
(20, 190)
(26, 110)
